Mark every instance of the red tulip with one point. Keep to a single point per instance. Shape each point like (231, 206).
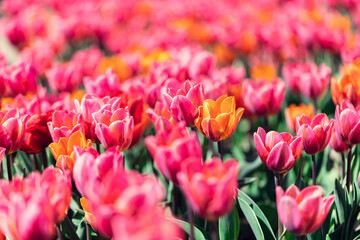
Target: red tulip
(37, 136)
(211, 187)
(315, 133)
(302, 212)
(171, 147)
(347, 122)
(277, 151)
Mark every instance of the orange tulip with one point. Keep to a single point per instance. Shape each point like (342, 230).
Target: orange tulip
(89, 217)
(63, 151)
(348, 86)
(218, 119)
(294, 111)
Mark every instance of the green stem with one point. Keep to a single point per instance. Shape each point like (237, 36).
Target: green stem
(8, 165)
(59, 233)
(214, 230)
(343, 166)
(191, 222)
(313, 169)
(348, 176)
(72, 231)
(278, 180)
(45, 159)
(220, 150)
(88, 234)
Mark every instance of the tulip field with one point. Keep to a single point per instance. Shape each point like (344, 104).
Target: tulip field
(180, 119)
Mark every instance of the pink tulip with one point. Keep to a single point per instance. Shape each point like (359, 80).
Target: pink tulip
(63, 77)
(183, 102)
(210, 187)
(302, 212)
(12, 130)
(171, 147)
(315, 133)
(90, 104)
(142, 226)
(114, 128)
(30, 207)
(263, 98)
(336, 143)
(277, 151)
(87, 60)
(64, 124)
(307, 78)
(90, 167)
(103, 85)
(347, 123)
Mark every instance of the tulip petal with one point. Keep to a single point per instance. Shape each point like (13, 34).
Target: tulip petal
(280, 158)
(290, 215)
(212, 129)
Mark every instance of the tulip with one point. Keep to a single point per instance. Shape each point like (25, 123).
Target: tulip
(183, 103)
(347, 123)
(37, 135)
(114, 128)
(210, 187)
(63, 151)
(89, 217)
(315, 133)
(277, 151)
(63, 77)
(307, 78)
(103, 85)
(171, 147)
(336, 143)
(90, 104)
(263, 98)
(64, 124)
(302, 212)
(218, 119)
(347, 87)
(141, 120)
(294, 111)
(12, 130)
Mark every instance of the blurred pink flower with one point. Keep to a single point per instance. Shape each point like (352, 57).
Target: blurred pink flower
(170, 149)
(302, 212)
(336, 143)
(210, 187)
(103, 85)
(307, 78)
(63, 77)
(263, 98)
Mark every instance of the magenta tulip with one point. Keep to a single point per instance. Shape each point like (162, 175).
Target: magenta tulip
(302, 212)
(347, 123)
(277, 151)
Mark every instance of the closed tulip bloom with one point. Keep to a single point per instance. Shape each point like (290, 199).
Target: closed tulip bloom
(107, 84)
(183, 103)
(37, 135)
(171, 147)
(21, 79)
(114, 128)
(263, 98)
(218, 119)
(210, 187)
(348, 86)
(63, 151)
(347, 123)
(63, 124)
(315, 133)
(12, 130)
(307, 78)
(294, 111)
(336, 143)
(277, 151)
(302, 212)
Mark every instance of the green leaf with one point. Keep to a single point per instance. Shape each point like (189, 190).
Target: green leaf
(264, 223)
(245, 181)
(81, 229)
(340, 202)
(252, 219)
(229, 226)
(186, 227)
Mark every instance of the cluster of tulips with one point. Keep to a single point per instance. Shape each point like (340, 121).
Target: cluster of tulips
(178, 119)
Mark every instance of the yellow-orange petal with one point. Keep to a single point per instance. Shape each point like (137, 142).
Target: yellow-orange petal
(76, 139)
(223, 120)
(228, 105)
(212, 129)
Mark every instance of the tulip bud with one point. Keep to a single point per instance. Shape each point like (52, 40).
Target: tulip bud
(347, 123)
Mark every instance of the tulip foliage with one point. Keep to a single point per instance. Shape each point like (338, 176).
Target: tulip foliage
(180, 119)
